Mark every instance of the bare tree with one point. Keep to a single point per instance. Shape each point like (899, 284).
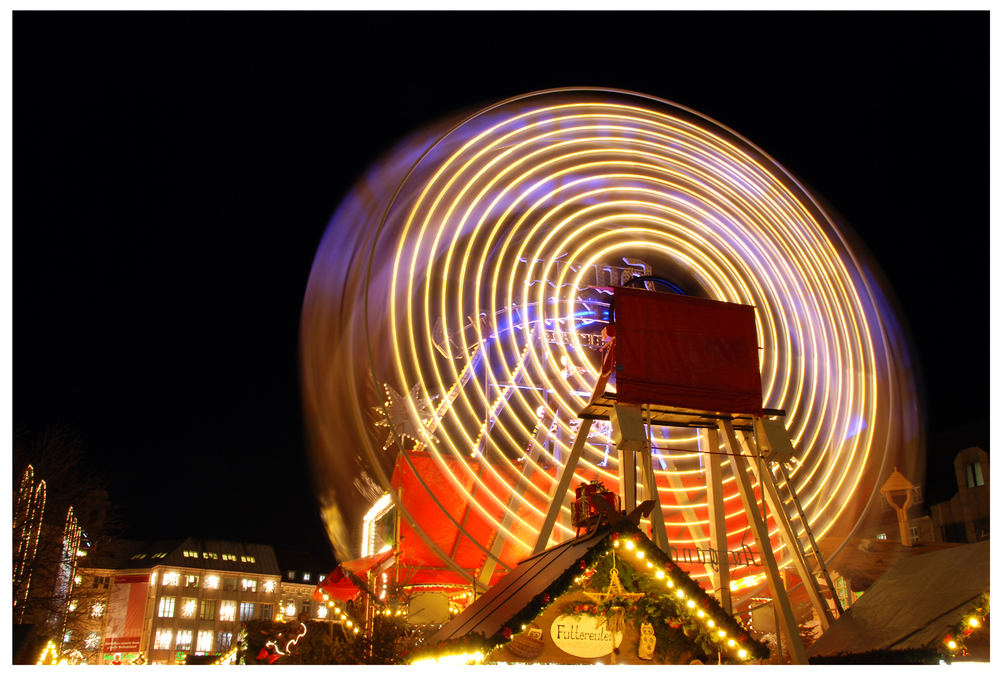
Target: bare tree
(60, 510)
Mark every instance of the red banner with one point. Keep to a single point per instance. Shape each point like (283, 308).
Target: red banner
(126, 610)
(686, 352)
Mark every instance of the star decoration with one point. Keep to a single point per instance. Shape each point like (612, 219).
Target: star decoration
(410, 416)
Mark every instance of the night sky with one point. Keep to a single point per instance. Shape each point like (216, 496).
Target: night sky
(173, 174)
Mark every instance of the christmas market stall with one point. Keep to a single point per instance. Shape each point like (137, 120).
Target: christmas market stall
(924, 609)
(607, 596)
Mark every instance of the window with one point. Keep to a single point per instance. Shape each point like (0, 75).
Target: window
(306, 576)
(189, 607)
(212, 582)
(166, 607)
(269, 586)
(291, 574)
(880, 536)
(224, 640)
(210, 555)
(92, 640)
(227, 611)
(248, 559)
(68, 636)
(321, 612)
(184, 637)
(163, 639)
(138, 556)
(188, 553)
(246, 612)
(914, 534)
(191, 581)
(229, 584)
(322, 577)
(229, 557)
(97, 610)
(290, 609)
(102, 582)
(265, 611)
(162, 554)
(72, 605)
(204, 641)
(207, 611)
(974, 474)
(249, 584)
(171, 579)
(305, 611)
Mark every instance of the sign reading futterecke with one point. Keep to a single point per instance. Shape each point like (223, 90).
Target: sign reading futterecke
(583, 636)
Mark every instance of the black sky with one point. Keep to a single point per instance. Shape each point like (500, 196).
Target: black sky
(174, 172)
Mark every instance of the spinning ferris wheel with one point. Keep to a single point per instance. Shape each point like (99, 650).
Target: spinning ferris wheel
(451, 327)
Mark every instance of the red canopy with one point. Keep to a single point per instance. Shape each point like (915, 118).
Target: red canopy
(417, 561)
(338, 584)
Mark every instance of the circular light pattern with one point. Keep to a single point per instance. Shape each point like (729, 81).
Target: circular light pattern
(466, 270)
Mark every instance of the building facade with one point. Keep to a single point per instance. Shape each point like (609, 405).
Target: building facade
(163, 602)
(966, 517)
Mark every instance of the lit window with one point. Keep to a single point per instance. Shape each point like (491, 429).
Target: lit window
(229, 557)
(204, 641)
(290, 610)
(246, 612)
(68, 636)
(188, 553)
(269, 586)
(321, 612)
(291, 574)
(914, 534)
(227, 611)
(973, 474)
(189, 607)
(248, 559)
(191, 581)
(207, 610)
(322, 577)
(162, 554)
(163, 639)
(72, 606)
(138, 556)
(97, 610)
(184, 638)
(171, 579)
(167, 607)
(77, 579)
(224, 639)
(880, 536)
(210, 555)
(265, 611)
(306, 576)
(249, 584)
(92, 640)
(212, 582)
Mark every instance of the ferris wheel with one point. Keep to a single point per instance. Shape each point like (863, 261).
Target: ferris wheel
(455, 305)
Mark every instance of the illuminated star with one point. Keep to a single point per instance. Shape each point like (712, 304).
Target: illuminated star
(398, 415)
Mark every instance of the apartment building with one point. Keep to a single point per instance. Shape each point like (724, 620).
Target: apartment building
(165, 601)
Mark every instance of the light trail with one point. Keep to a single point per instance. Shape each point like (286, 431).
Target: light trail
(491, 229)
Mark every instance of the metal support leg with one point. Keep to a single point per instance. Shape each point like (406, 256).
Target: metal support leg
(626, 478)
(760, 534)
(717, 519)
(559, 493)
(788, 537)
(812, 541)
(652, 493)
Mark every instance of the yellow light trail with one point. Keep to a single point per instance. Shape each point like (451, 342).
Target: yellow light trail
(489, 234)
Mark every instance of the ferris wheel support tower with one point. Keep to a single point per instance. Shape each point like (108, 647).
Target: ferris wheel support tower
(672, 358)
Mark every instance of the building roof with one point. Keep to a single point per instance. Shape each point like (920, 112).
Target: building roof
(532, 576)
(913, 604)
(222, 555)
